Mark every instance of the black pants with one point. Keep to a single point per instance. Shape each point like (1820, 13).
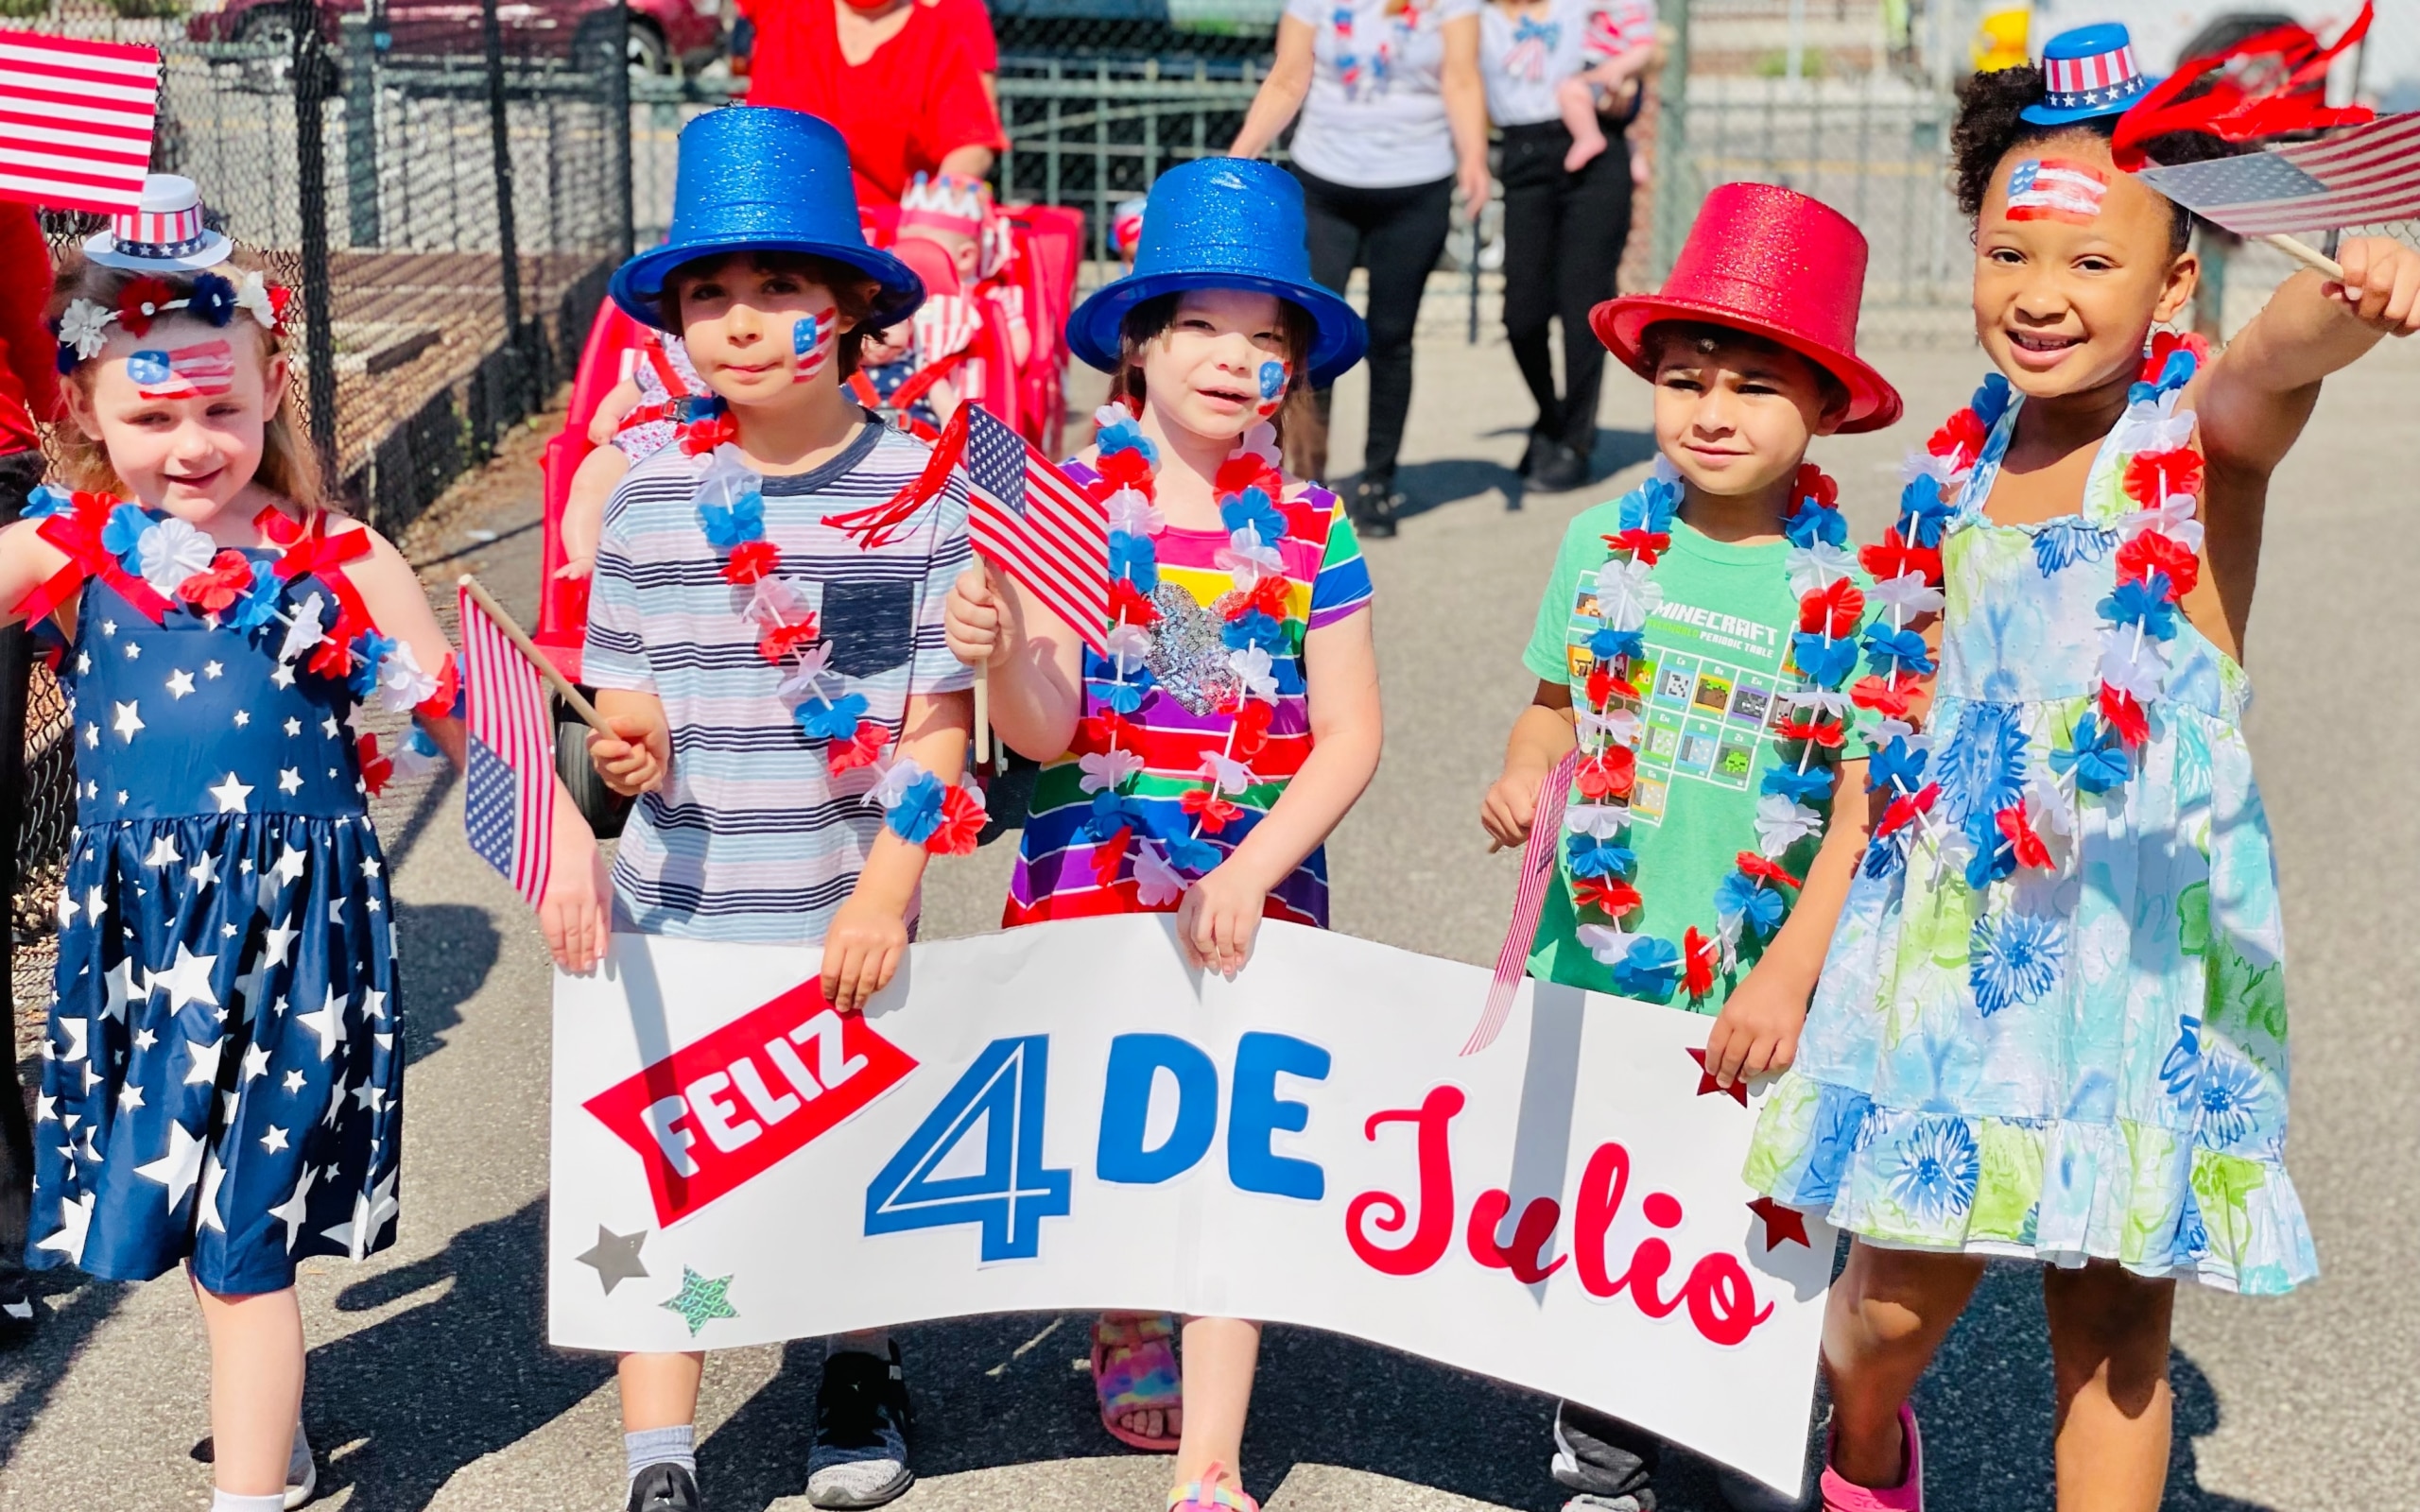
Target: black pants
(1563, 241)
(1396, 234)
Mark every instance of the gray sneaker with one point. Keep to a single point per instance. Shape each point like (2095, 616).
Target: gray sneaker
(859, 1458)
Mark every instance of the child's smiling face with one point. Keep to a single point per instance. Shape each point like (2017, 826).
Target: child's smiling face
(2075, 261)
(181, 410)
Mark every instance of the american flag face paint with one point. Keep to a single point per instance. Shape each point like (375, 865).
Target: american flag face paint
(811, 343)
(2056, 189)
(205, 371)
(1274, 373)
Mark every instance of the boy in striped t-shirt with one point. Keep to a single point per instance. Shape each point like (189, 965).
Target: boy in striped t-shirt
(789, 717)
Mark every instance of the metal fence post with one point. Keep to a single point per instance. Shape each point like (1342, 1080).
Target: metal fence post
(617, 132)
(361, 127)
(312, 85)
(1674, 204)
(500, 131)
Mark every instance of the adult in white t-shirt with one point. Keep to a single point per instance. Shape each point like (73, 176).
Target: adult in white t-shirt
(1565, 226)
(1394, 118)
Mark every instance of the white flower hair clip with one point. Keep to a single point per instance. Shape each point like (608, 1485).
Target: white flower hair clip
(84, 329)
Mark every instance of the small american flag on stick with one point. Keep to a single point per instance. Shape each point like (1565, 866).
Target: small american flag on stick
(508, 801)
(1023, 516)
(1030, 521)
(76, 121)
(2363, 176)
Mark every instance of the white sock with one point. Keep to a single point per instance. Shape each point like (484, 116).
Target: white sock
(229, 1502)
(660, 1445)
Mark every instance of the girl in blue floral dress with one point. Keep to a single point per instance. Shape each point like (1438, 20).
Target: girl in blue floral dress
(222, 1072)
(2051, 1024)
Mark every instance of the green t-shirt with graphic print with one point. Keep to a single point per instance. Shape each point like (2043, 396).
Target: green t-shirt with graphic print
(1718, 653)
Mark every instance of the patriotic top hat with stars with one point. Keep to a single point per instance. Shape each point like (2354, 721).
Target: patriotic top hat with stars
(1223, 223)
(163, 233)
(2088, 73)
(756, 177)
(1770, 261)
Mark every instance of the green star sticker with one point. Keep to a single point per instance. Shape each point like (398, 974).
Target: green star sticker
(701, 1301)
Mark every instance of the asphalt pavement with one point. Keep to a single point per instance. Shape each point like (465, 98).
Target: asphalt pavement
(431, 1384)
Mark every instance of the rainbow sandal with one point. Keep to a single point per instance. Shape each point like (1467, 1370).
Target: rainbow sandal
(1208, 1495)
(1135, 1371)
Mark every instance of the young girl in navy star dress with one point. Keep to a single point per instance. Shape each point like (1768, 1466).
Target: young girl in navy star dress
(222, 1072)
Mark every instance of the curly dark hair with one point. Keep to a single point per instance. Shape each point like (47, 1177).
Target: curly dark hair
(1991, 125)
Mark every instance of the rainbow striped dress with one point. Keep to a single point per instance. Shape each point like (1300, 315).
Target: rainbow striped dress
(1092, 821)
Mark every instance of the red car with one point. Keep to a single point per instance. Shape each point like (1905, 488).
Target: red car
(665, 34)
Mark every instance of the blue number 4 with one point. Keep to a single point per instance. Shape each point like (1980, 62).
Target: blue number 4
(1003, 1094)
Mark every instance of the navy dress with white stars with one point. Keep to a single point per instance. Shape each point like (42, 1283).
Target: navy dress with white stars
(222, 1073)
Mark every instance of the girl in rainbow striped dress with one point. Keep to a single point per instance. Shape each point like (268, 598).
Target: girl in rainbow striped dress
(1197, 764)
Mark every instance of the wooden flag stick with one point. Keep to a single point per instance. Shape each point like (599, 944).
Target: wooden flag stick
(983, 716)
(537, 659)
(2305, 254)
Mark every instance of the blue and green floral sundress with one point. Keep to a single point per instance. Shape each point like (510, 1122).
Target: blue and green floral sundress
(2077, 1062)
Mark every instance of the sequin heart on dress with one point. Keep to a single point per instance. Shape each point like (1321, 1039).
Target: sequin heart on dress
(1188, 654)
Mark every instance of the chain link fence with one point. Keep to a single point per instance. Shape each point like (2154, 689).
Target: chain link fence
(446, 199)
(447, 203)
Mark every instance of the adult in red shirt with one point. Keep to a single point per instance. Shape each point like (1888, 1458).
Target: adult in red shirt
(28, 356)
(902, 82)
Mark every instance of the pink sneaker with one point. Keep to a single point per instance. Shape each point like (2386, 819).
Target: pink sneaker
(1840, 1495)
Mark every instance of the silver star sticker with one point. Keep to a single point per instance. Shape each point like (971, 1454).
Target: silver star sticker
(615, 1258)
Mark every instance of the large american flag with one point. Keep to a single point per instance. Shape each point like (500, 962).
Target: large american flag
(1027, 519)
(76, 120)
(2363, 176)
(508, 801)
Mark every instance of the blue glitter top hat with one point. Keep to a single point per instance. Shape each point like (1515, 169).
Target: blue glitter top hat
(756, 177)
(1223, 223)
(2087, 73)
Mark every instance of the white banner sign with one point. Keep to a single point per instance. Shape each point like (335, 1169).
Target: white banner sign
(1066, 1117)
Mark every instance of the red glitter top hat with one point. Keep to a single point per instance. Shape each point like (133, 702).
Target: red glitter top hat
(1770, 261)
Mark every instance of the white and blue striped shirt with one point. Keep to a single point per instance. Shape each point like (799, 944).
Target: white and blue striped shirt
(751, 838)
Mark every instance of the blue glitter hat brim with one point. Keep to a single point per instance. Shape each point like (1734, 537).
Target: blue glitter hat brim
(638, 283)
(1341, 335)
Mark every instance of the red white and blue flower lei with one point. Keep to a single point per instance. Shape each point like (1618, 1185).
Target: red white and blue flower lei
(161, 564)
(1603, 866)
(1247, 487)
(917, 807)
(2158, 547)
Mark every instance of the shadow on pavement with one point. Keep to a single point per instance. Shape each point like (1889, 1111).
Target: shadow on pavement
(409, 1400)
(451, 948)
(68, 1309)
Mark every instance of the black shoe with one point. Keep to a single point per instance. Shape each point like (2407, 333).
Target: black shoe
(862, 1414)
(1610, 1462)
(1541, 447)
(664, 1489)
(1563, 470)
(1374, 506)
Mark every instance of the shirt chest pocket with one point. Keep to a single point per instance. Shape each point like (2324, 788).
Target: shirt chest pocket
(872, 627)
